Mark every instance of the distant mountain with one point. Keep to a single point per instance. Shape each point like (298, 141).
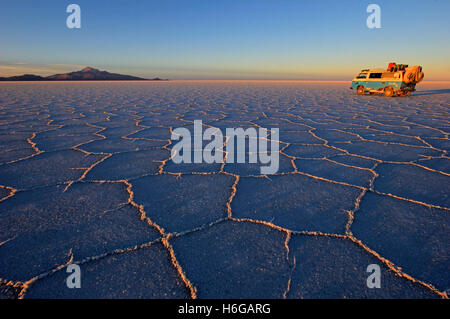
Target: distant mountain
(87, 74)
(25, 77)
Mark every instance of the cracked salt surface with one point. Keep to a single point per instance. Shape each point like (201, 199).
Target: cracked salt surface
(86, 178)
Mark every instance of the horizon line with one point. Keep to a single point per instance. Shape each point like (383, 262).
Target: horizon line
(206, 80)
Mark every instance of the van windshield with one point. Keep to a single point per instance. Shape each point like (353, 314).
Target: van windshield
(362, 76)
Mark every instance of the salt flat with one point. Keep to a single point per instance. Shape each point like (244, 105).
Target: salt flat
(86, 178)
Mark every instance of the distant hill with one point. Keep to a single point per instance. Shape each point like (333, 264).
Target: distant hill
(87, 74)
(25, 77)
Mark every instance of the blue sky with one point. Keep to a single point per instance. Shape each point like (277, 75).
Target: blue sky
(215, 39)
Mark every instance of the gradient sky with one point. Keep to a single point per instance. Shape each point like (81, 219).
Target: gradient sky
(224, 39)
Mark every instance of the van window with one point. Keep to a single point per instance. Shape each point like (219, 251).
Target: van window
(388, 75)
(362, 76)
(375, 76)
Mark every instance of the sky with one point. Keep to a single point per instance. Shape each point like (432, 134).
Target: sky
(224, 39)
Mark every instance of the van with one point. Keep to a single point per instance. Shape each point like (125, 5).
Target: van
(394, 81)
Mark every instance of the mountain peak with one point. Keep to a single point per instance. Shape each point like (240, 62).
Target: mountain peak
(89, 69)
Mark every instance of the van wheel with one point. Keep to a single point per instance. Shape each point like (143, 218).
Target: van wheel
(388, 91)
(360, 90)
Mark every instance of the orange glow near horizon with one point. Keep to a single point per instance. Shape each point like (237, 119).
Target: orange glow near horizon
(432, 72)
